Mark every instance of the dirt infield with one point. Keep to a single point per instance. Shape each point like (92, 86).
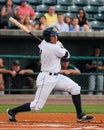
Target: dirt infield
(50, 121)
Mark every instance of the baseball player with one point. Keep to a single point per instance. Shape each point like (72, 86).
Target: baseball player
(51, 51)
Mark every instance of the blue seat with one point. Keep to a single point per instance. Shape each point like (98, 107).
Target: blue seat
(80, 2)
(95, 2)
(2, 1)
(74, 9)
(35, 2)
(17, 2)
(42, 8)
(91, 9)
(97, 25)
(65, 2)
(60, 9)
(101, 10)
(90, 16)
(71, 15)
(38, 15)
(50, 2)
(99, 17)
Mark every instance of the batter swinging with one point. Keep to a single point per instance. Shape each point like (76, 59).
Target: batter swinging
(51, 51)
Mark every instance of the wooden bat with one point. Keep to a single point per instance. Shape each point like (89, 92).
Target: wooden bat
(22, 27)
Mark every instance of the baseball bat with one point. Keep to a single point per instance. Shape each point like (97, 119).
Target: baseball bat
(22, 27)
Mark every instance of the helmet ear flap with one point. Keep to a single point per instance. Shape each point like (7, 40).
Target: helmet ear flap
(47, 38)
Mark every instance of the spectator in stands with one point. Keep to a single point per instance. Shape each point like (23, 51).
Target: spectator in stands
(27, 23)
(34, 64)
(7, 11)
(60, 24)
(75, 27)
(67, 68)
(24, 10)
(94, 67)
(83, 22)
(51, 16)
(68, 20)
(3, 71)
(42, 23)
(22, 80)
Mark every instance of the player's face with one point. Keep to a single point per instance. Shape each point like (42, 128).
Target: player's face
(53, 39)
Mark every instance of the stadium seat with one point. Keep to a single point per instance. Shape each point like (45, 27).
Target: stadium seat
(90, 16)
(95, 2)
(2, 1)
(101, 10)
(1, 6)
(35, 2)
(74, 9)
(99, 17)
(71, 15)
(65, 2)
(42, 8)
(38, 15)
(96, 25)
(80, 2)
(50, 2)
(17, 2)
(60, 9)
(91, 9)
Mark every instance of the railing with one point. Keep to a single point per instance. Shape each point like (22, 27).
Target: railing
(81, 79)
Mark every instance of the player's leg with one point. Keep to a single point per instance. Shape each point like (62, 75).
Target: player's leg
(92, 79)
(66, 84)
(45, 86)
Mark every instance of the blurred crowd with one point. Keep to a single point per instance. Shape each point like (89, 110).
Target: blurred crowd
(26, 15)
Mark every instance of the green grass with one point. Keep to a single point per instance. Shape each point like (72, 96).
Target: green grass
(61, 108)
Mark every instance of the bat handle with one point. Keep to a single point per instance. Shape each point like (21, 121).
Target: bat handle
(34, 37)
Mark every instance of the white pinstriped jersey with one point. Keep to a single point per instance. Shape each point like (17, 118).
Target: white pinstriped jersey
(51, 55)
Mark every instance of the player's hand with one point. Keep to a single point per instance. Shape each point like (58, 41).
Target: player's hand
(60, 44)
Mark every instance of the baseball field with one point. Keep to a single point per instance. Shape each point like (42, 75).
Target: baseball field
(57, 114)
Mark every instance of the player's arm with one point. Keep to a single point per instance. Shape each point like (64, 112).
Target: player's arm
(61, 52)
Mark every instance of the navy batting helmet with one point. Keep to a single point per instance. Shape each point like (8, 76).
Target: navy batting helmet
(51, 31)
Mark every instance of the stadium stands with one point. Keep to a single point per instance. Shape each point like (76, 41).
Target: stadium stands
(91, 9)
(42, 8)
(94, 8)
(95, 2)
(60, 8)
(16, 2)
(97, 25)
(99, 17)
(50, 2)
(65, 2)
(80, 2)
(35, 2)
(74, 8)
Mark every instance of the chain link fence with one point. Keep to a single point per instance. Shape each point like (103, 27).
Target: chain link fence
(26, 84)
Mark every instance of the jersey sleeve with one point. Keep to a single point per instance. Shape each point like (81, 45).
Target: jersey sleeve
(61, 52)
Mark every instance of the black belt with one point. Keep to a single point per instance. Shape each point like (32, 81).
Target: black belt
(50, 73)
(53, 73)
